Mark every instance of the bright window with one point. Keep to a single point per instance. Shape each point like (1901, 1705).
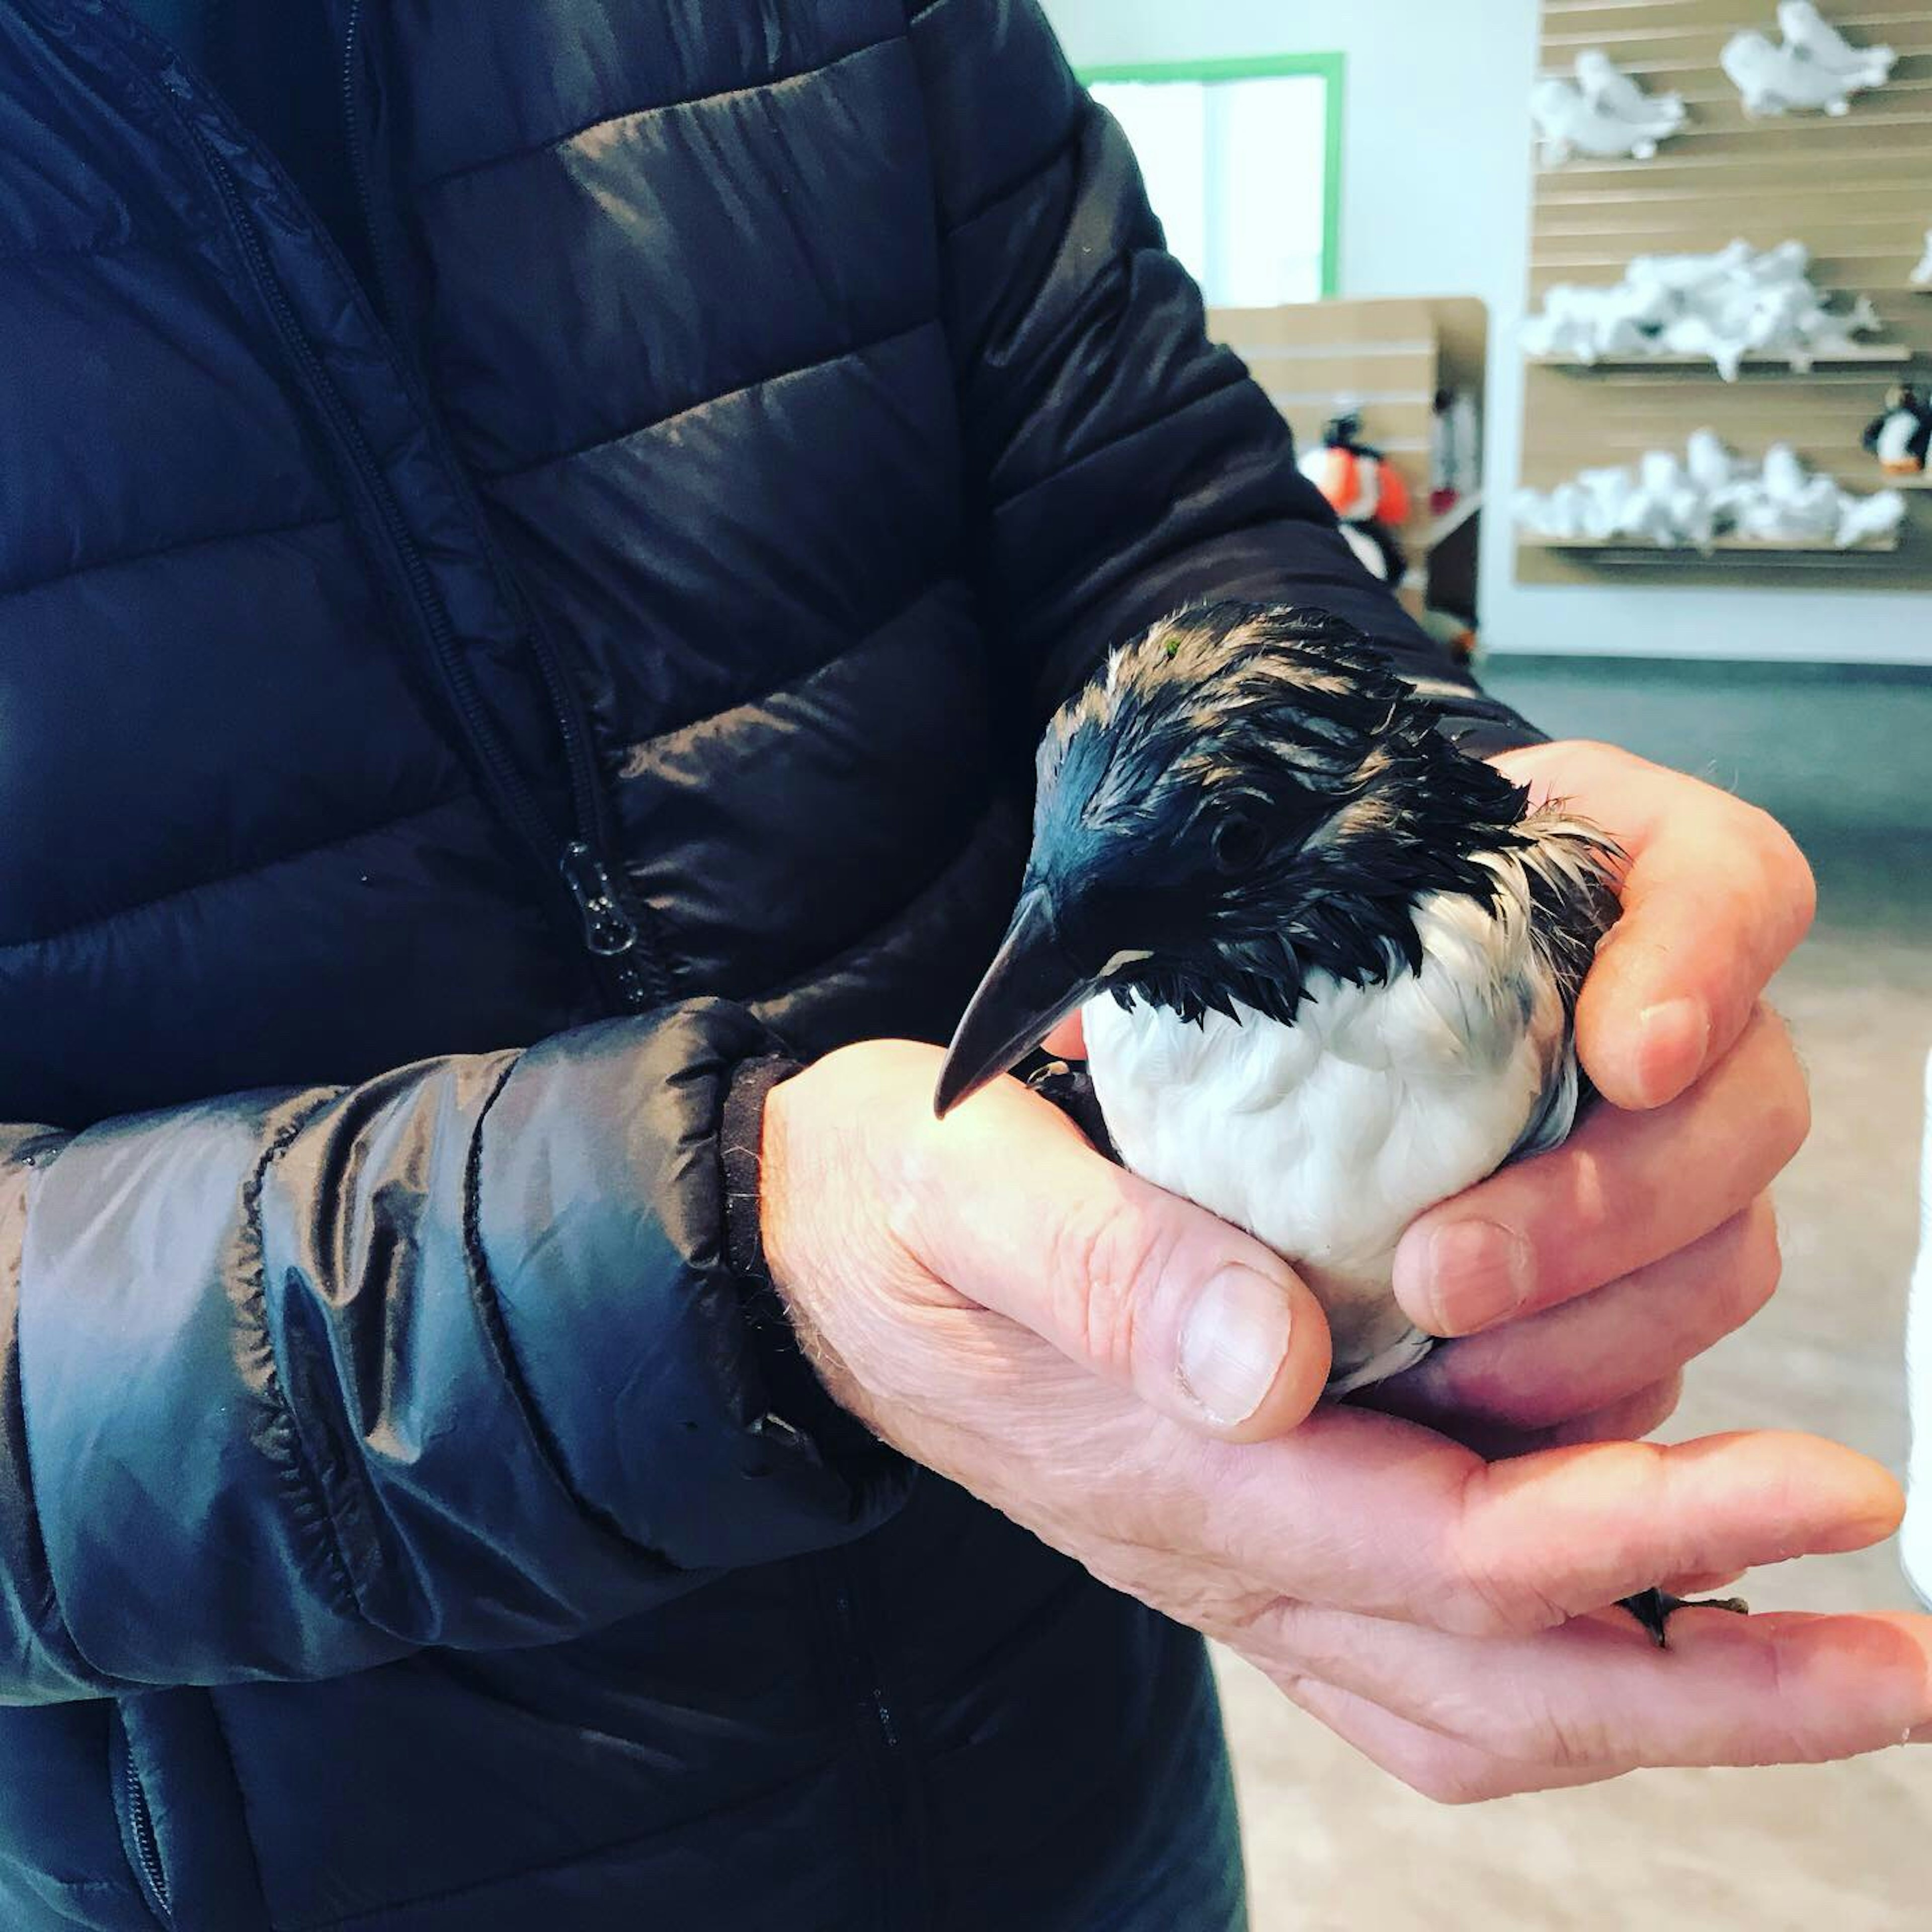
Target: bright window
(1243, 162)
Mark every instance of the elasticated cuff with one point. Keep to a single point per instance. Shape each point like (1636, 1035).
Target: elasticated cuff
(741, 1141)
(795, 1390)
(696, 1430)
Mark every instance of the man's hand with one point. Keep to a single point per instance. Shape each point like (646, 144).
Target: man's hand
(1591, 1275)
(1015, 1313)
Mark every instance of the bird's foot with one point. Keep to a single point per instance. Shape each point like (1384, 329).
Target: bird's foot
(1654, 1609)
(1071, 1089)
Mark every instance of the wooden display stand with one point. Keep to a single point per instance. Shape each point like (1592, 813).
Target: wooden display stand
(1387, 359)
(1857, 190)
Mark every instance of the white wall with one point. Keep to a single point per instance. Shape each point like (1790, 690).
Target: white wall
(1435, 201)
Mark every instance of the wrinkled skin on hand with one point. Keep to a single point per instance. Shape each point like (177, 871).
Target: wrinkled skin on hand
(1006, 1307)
(1436, 1609)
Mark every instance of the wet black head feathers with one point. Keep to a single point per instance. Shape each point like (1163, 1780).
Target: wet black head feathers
(1246, 793)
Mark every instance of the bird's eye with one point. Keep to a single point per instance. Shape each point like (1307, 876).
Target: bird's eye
(1239, 843)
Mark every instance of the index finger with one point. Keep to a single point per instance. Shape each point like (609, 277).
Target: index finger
(1717, 895)
(1359, 1512)
(1553, 1535)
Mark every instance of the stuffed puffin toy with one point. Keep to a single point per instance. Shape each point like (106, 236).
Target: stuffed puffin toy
(1901, 438)
(1366, 490)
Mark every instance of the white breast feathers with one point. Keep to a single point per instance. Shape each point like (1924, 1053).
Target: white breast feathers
(1326, 1139)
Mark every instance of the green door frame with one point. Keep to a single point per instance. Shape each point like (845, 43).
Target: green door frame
(1330, 69)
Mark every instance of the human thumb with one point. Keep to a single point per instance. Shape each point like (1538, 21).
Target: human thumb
(1205, 1324)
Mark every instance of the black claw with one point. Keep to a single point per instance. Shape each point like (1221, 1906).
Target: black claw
(1654, 1609)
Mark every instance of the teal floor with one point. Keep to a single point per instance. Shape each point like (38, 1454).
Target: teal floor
(1831, 749)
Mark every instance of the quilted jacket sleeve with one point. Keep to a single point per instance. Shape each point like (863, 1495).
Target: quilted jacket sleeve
(1123, 466)
(294, 1383)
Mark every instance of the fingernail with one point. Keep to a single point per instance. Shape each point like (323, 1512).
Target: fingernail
(1672, 1040)
(1481, 1272)
(1233, 1344)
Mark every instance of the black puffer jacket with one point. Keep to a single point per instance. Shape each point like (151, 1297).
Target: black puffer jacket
(634, 593)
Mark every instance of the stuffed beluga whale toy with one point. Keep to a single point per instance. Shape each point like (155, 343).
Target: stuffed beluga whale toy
(1603, 113)
(1816, 67)
(1734, 305)
(1710, 493)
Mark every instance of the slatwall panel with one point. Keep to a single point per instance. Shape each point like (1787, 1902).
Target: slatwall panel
(1858, 191)
(1387, 358)
(1311, 357)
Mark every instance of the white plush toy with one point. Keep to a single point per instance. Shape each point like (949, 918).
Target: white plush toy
(1604, 114)
(1815, 37)
(1789, 505)
(1688, 503)
(1727, 306)
(1713, 471)
(1921, 276)
(1591, 323)
(1870, 519)
(1668, 507)
(1815, 66)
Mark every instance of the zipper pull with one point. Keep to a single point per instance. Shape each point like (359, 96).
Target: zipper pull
(609, 930)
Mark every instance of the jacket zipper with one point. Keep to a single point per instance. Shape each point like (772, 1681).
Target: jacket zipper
(147, 1845)
(385, 290)
(610, 932)
(881, 1743)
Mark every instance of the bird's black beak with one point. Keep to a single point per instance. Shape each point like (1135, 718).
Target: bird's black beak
(1033, 984)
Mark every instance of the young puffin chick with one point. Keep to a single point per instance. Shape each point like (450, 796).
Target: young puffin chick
(1328, 964)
